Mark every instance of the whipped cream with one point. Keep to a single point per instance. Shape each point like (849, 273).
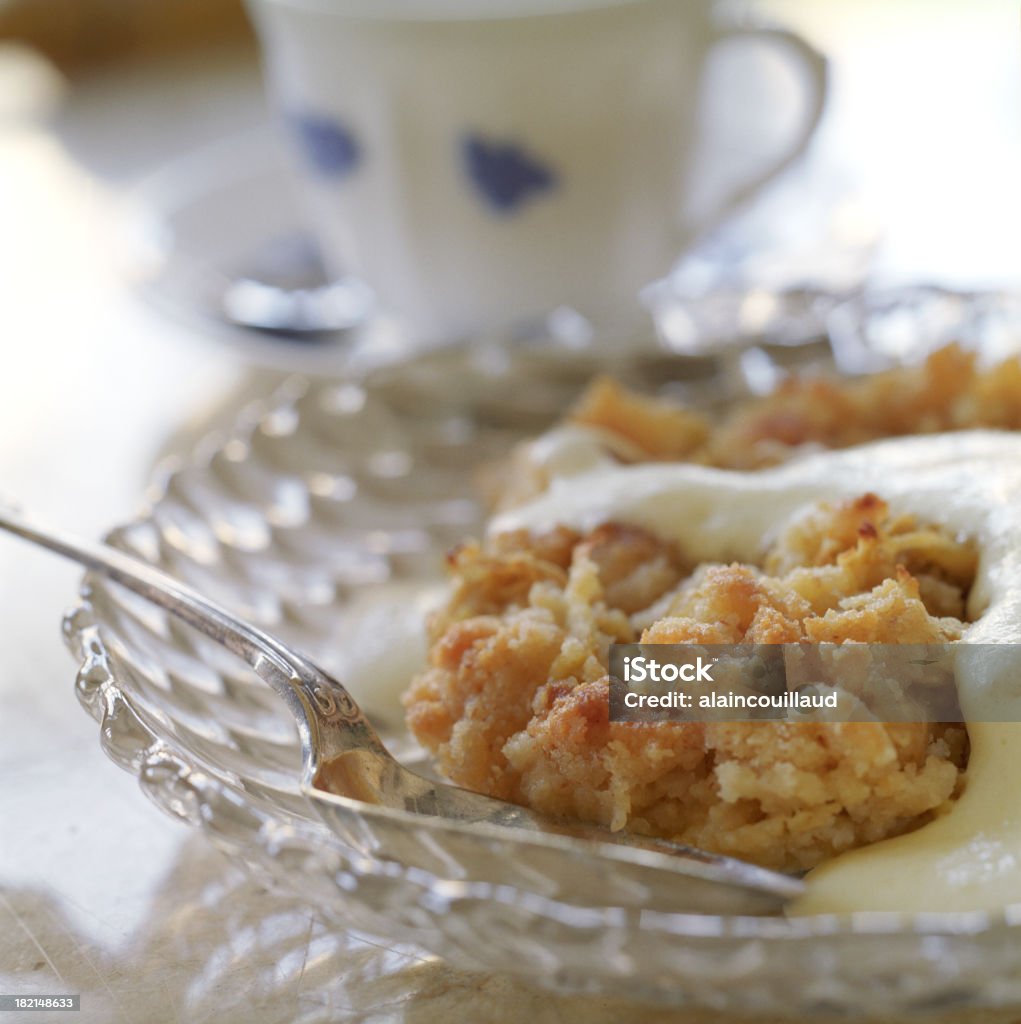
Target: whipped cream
(970, 484)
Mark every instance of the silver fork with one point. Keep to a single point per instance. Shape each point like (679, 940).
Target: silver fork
(353, 780)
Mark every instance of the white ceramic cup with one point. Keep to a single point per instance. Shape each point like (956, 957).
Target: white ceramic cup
(483, 162)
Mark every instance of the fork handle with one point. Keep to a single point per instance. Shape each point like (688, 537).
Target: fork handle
(329, 721)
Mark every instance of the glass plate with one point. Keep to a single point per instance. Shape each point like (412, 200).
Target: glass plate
(322, 518)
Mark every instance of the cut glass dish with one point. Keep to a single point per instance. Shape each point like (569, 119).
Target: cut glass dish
(324, 518)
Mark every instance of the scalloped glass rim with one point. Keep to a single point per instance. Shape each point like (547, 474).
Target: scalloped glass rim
(804, 966)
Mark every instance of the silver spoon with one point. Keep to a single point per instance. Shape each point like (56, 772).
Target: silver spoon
(387, 812)
(285, 290)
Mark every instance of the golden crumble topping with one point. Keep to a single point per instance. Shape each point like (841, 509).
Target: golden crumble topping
(949, 391)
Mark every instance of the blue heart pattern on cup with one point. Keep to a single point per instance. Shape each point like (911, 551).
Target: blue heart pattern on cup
(505, 175)
(330, 148)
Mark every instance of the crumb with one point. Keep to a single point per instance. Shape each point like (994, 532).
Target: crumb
(658, 428)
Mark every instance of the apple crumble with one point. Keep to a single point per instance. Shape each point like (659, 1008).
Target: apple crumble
(514, 701)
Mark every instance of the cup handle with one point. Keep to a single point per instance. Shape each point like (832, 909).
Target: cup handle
(817, 67)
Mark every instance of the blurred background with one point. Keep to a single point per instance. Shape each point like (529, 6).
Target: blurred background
(127, 130)
(922, 126)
